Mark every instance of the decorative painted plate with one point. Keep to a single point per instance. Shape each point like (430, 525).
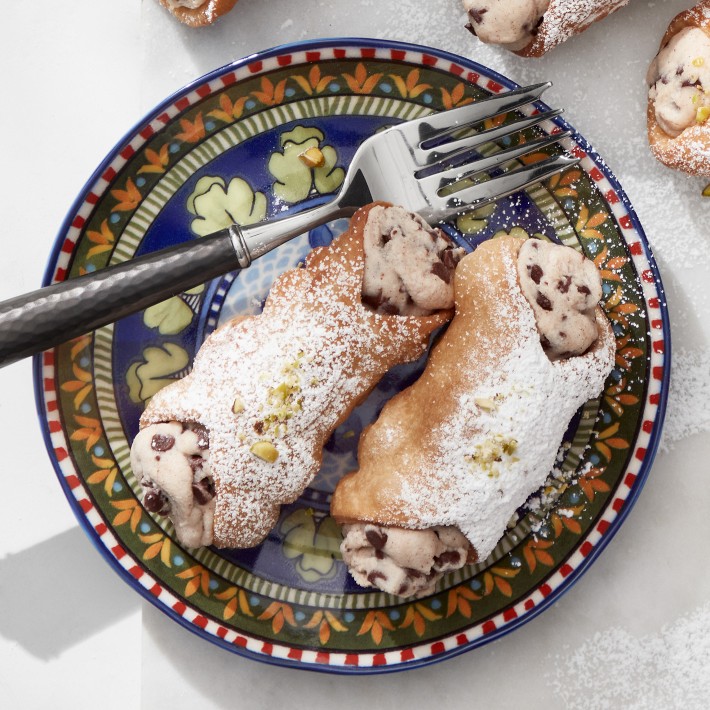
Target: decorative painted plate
(227, 148)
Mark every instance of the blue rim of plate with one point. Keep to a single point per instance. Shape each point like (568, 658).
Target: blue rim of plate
(561, 578)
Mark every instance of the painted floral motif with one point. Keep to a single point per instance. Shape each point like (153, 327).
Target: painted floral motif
(229, 110)
(361, 81)
(128, 198)
(410, 87)
(235, 601)
(217, 205)
(172, 316)
(315, 82)
(475, 221)
(160, 366)
(312, 546)
(296, 175)
(326, 622)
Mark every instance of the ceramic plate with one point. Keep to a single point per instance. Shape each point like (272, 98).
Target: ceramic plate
(233, 138)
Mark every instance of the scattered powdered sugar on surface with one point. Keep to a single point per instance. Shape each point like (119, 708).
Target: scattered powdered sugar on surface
(615, 669)
(688, 409)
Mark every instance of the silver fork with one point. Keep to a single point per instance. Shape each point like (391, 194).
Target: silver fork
(428, 165)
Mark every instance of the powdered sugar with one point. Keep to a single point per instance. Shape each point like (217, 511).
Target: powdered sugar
(615, 669)
(688, 410)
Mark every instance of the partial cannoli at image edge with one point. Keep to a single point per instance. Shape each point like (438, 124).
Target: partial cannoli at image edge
(222, 450)
(531, 28)
(679, 94)
(527, 347)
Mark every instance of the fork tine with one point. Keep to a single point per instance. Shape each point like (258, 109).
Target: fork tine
(436, 181)
(426, 157)
(443, 123)
(484, 193)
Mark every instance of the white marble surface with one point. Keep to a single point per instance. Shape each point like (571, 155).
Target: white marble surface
(72, 634)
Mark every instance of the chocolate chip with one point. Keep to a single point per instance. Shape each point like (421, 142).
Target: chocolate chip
(535, 272)
(563, 285)
(389, 309)
(414, 573)
(376, 539)
(450, 557)
(386, 237)
(379, 554)
(679, 70)
(450, 258)
(477, 15)
(403, 589)
(203, 437)
(374, 301)
(468, 26)
(546, 345)
(585, 290)
(196, 462)
(162, 442)
(155, 501)
(440, 270)
(376, 574)
(543, 301)
(203, 491)
(259, 427)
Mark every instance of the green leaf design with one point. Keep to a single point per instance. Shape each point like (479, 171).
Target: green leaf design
(160, 366)
(217, 205)
(294, 178)
(169, 317)
(314, 547)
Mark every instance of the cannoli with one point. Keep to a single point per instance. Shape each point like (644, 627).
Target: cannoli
(530, 28)
(527, 347)
(679, 93)
(197, 13)
(222, 449)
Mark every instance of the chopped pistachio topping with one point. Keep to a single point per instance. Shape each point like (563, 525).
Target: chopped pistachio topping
(698, 61)
(313, 158)
(265, 450)
(238, 405)
(284, 401)
(491, 452)
(485, 403)
(702, 114)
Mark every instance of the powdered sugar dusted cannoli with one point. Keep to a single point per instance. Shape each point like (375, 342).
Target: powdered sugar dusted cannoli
(497, 406)
(197, 13)
(679, 93)
(267, 391)
(531, 28)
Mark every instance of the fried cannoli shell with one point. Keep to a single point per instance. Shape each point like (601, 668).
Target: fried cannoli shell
(200, 16)
(314, 322)
(690, 151)
(564, 19)
(406, 449)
